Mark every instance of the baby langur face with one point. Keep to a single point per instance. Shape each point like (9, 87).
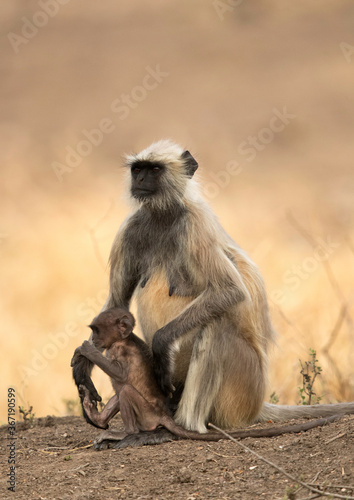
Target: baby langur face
(102, 337)
(111, 326)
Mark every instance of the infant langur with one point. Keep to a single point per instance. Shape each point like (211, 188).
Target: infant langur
(128, 362)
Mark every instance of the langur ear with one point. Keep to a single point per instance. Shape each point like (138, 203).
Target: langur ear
(190, 163)
(124, 327)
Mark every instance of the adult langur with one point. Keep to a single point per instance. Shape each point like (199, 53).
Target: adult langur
(201, 301)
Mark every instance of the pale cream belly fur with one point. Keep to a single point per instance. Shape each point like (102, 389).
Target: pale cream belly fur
(155, 309)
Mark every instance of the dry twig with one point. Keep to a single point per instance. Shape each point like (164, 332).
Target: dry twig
(61, 448)
(336, 328)
(336, 437)
(306, 485)
(343, 314)
(328, 269)
(92, 232)
(312, 241)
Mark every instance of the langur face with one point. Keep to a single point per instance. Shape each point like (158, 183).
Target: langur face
(146, 179)
(111, 326)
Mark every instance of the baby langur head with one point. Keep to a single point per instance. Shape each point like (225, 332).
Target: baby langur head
(159, 175)
(113, 325)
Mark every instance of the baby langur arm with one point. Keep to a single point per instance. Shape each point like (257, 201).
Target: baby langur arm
(82, 369)
(115, 370)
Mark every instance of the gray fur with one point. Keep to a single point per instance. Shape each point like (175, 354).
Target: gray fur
(201, 301)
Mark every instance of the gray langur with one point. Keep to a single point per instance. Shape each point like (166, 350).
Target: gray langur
(201, 301)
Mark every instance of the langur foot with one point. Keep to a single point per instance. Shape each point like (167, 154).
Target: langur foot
(86, 397)
(157, 436)
(109, 436)
(87, 404)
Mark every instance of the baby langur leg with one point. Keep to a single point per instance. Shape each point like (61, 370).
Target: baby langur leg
(99, 419)
(137, 415)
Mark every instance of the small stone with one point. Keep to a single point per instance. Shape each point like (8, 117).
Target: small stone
(184, 476)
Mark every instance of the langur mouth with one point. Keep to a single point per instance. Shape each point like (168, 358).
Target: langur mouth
(142, 193)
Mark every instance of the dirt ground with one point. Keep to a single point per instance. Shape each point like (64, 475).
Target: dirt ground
(55, 460)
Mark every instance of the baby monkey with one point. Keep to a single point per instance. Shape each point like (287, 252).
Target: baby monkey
(129, 364)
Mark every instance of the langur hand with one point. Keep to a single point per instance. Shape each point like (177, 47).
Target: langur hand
(87, 348)
(162, 362)
(81, 373)
(82, 351)
(76, 357)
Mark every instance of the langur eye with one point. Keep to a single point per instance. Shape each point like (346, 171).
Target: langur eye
(136, 170)
(156, 169)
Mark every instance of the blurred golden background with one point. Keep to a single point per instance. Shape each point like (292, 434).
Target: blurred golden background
(260, 92)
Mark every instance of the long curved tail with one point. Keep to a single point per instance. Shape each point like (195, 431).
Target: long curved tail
(278, 413)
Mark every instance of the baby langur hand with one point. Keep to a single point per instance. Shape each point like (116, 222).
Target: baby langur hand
(76, 356)
(85, 348)
(81, 372)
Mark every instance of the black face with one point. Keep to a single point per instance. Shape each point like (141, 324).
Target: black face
(146, 179)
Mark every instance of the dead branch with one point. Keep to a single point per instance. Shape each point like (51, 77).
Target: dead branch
(92, 233)
(328, 269)
(336, 328)
(305, 485)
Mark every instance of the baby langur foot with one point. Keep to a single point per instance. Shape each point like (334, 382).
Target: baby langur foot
(87, 402)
